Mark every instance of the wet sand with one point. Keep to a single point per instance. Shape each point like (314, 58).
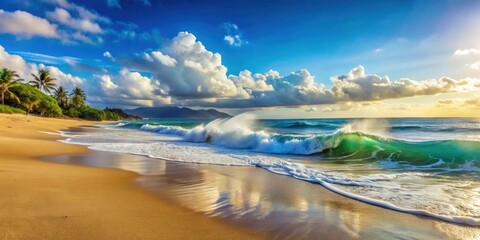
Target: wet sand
(276, 205)
(46, 200)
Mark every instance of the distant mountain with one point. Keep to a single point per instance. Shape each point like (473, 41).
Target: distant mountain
(122, 114)
(176, 112)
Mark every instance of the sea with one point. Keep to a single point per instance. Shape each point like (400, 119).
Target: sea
(423, 166)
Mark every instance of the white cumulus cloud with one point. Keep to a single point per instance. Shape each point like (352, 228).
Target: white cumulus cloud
(62, 16)
(463, 52)
(130, 89)
(357, 86)
(108, 55)
(299, 88)
(475, 65)
(469, 52)
(77, 23)
(81, 11)
(26, 25)
(234, 40)
(233, 36)
(187, 69)
(25, 69)
(162, 58)
(251, 83)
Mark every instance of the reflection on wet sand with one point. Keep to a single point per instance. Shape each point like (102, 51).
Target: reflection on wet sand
(281, 206)
(110, 160)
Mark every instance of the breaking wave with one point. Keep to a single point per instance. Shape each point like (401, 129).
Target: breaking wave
(354, 140)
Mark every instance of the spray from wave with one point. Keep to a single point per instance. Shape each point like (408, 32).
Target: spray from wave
(376, 127)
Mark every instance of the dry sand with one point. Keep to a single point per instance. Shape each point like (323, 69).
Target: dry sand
(43, 200)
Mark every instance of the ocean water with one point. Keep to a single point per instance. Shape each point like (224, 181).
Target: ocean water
(428, 167)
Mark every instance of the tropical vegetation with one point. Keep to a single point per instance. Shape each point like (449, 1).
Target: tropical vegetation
(10, 110)
(41, 96)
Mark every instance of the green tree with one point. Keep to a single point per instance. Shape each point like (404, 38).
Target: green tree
(93, 114)
(110, 115)
(7, 79)
(43, 81)
(78, 98)
(29, 104)
(62, 97)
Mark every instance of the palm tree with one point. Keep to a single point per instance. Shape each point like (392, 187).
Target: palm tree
(79, 92)
(43, 81)
(62, 97)
(78, 97)
(7, 79)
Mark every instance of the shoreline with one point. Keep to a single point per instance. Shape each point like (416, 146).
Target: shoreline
(45, 200)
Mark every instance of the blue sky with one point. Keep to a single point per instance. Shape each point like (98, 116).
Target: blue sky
(402, 39)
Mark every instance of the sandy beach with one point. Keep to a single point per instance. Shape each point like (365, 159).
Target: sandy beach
(44, 200)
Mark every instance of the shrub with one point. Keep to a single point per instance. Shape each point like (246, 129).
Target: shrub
(10, 110)
(48, 107)
(72, 112)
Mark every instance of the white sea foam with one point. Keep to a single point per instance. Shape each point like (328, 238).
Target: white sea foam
(50, 133)
(120, 124)
(164, 129)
